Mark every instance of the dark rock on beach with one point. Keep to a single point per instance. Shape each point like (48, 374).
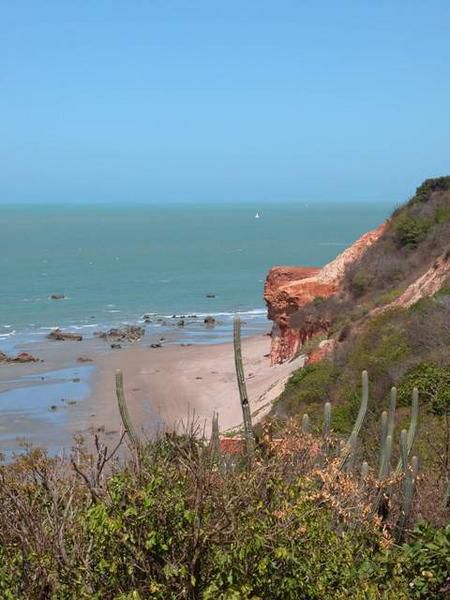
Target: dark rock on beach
(84, 359)
(22, 357)
(62, 336)
(130, 333)
(210, 321)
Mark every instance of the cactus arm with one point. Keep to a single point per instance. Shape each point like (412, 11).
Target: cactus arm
(392, 407)
(248, 432)
(347, 449)
(384, 433)
(412, 427)
(215, 440)
(353, 442)
(326, 419)
(386, 459)
(123, 409)
(305, 423)
(364, 403)
(409, 482)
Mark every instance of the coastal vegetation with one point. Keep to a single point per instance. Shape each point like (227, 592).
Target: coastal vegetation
(344, 489)
(402, 343)
(300, 515)
(299, 518)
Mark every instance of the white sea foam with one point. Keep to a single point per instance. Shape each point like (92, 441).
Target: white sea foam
(9, 334)
(255, 312)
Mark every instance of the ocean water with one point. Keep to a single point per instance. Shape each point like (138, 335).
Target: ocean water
(115, 263)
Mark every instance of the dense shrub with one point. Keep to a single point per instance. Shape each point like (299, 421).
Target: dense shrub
(436, 184)
(426, 563)
(433, 383)
(306, 386)
(169, 524)
(417, 232)
(410, 231)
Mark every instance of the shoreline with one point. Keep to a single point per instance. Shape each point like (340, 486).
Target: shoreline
(173, 385)
(50, 402)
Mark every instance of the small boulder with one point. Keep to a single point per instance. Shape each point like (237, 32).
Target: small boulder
(210, 321)
(57, 297)
(130, 333)
(116, 346)
(84, 359)
(24, 357)
(61, 336)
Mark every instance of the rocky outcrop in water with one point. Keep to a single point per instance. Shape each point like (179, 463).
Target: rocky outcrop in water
(22, 357)
(62, 336)
(130, 333)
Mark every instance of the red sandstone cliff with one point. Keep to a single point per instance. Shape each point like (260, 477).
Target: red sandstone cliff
(289, 289)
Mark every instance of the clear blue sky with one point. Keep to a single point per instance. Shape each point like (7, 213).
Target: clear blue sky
(222, 100)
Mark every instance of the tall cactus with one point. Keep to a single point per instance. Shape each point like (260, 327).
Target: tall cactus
(305, 423)
(347, 449)
(123, 409)
(326, 430)
(383, 434)
(364, 474)
(215, 440)
(247, 418)
(385, 462)
(409, 480)
(353, 441)
(392, 407)
(326, 420)
(412, 428)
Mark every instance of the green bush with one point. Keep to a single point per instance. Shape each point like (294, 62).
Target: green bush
(426, 563)
(307, 386)
(380, 346)
(359, 283)
(433, 383)
(171, 525)
(410, 230)
(436, 184)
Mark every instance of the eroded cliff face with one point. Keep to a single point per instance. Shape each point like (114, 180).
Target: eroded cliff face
(288, 289)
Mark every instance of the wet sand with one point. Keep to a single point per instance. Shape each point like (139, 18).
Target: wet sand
(165, 386)
(49, 402)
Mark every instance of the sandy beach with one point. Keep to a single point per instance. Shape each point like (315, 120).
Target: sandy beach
(176, 383)
(49, 402)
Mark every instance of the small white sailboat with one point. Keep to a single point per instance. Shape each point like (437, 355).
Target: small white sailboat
(257, 216)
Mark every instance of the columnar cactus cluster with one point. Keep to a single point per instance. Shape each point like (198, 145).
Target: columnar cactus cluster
(344, 451)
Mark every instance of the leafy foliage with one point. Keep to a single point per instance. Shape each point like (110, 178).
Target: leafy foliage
(433, 383)
(169, 524)
(307, 386)
(410, 231)
(426, 563)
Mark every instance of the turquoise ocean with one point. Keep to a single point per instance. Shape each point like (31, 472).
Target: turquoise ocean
(115, 263)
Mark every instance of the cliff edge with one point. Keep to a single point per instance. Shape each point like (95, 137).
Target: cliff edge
(289, 289)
